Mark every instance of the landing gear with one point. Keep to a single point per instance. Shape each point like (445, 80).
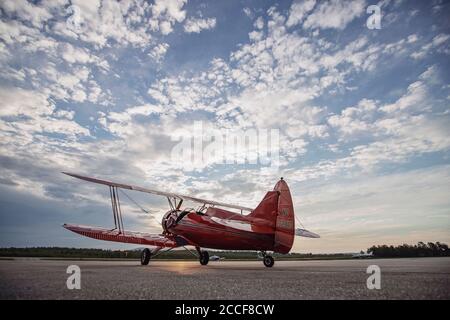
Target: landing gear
(203, 256)
(268, 261)
(145, 256)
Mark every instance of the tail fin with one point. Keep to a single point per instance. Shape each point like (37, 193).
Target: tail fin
(267, 209)
(277, 208)
(285, 220)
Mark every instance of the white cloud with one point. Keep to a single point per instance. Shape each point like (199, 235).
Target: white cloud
(106, 23)
(65, 114)
(158, 95)
(165, 27)
(78, 55)
(66, 85)
(159, 51)
(273, 74)
(113, 23)
(74, 55)
(255, 35)
(248, 12)
(355, 120)
(414, 97)
(437, 43)
(78, 95)
(126, 116)
(171, 9)
(15, 32)
(19, 102)
(193, 25)
(95, 93)
(26, 11)
(13, 74)
(259, 23)
(440, 39)
(398, 131)
(298, 11)
(334, 14)
(166, 13)
(32, 113)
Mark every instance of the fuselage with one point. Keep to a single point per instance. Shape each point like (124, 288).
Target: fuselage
(221, 229)
(269, 227)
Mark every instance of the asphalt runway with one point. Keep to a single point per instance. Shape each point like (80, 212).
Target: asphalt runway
(422, 278)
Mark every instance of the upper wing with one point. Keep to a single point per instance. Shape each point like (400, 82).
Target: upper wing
(125, 236)
(159, 193)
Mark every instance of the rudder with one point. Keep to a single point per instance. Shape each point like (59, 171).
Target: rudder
(285, 220)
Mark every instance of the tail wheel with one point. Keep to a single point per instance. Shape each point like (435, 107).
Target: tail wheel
(268, 261)
(145, 256)
(204, 258)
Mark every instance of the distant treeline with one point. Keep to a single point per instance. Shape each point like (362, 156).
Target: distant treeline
(405, 250)
(80, 253)
(58, 252)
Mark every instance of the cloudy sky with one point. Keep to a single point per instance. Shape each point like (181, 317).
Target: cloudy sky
(101, 88)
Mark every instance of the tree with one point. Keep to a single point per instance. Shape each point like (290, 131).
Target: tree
(405, 250)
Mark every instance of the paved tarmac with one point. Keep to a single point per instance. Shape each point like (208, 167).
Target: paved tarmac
(421, 278)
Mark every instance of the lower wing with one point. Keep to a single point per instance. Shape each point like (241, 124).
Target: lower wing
(126, 236)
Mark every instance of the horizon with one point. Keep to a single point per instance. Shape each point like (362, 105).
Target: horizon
(214, 250)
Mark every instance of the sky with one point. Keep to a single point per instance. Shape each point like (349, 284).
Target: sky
(105, 89)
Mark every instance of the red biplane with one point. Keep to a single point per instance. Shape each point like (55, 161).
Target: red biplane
(268, 227)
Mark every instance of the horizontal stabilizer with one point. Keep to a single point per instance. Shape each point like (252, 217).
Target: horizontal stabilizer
(305, 233)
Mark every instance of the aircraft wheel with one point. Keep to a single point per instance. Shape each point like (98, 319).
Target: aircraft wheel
(145, 256)
(204, 258)
(268, 261)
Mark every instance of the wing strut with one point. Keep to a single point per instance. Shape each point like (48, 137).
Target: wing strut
(173, 202)
(117, 211)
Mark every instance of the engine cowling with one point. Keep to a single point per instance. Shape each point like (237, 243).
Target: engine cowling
(169, 220)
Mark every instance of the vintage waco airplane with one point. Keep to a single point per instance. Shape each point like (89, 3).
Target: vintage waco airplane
(268, 227)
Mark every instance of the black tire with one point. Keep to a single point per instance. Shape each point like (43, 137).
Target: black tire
(268, 261)
(204, 258)
(145, 256)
